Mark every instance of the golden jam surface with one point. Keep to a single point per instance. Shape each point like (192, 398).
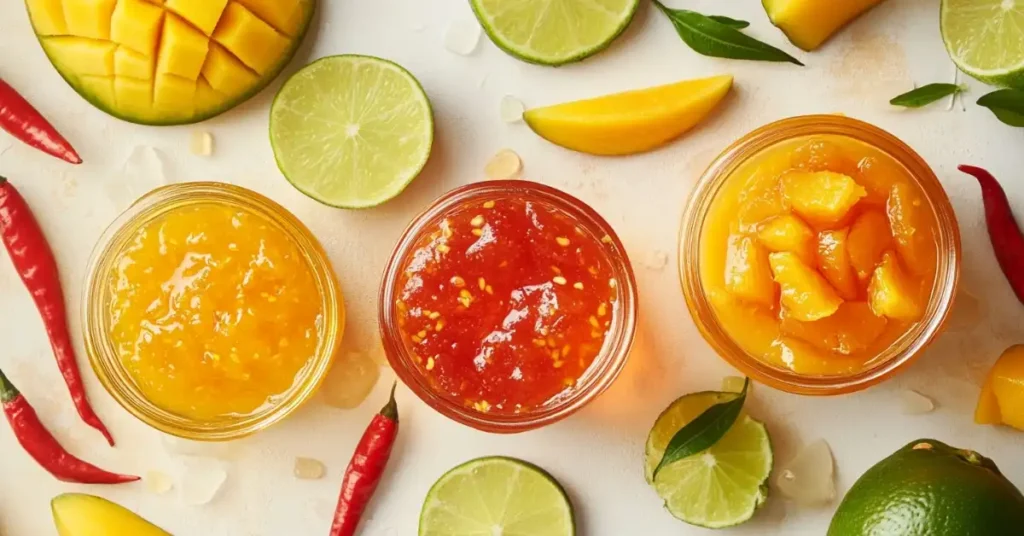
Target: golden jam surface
(214, 311)
(818, 254)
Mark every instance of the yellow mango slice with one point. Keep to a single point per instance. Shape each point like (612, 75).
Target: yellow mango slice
(869, 238)
(253, 41)
(89, 18)
(892, 293)
(809, 23)
(174, 95)
(747, 273)
(128, 63)
(136, 25)
(1002, 396)
(852, 329)
(630, 122)
(183, 49)
(226, 74)
(788, 233)
(89, 57)
(47, 17)
(284, 15)
(912, 223)
(202, 14)
(822, 197)
(834, 262)
(806, 295)
(78, 514)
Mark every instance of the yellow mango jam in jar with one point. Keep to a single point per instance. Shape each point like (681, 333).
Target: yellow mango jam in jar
(214, 308)
(822, 251)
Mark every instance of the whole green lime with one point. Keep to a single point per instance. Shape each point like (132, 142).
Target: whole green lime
(928, 488)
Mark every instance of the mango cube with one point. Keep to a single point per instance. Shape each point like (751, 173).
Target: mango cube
(852, 329)
(89, 18)
(202, 14)
(132, 64)
(47, 17)
(869, 238)
(135, 96)
(910, 222)
(806, 295)
(100, 87)
(822, 197)
(834, 262)
(226, 74)
(788, 233)
(253, 41)
(877, 176)
(174, 94)
(284, 15)
(136, 25)
(892, 293)
(747, 274)
(1002, 396)
(822, 155)
(804, 358)
(90, 57)
(183, 49)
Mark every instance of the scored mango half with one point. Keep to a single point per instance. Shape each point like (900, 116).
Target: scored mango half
(167, 62)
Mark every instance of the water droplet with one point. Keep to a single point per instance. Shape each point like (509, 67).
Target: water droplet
(506, 164)
(201, 480)
(201, 143)
(462, 37)
(350, 380)
(309, 469)
(512, 109)
(809, 478)
(158, 482)
(914, 403)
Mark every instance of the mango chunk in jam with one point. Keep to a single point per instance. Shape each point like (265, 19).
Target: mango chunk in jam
(850, 243)
(214, 311)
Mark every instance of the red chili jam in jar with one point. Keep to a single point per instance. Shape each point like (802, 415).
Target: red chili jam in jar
(505, 297)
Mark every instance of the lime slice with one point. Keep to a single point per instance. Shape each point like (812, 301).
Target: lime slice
(497, 496)
(554, 32)
(985, 40)
(720, 487)
(351, 131)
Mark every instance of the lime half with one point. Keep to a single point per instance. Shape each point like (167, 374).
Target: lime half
(720, 487)
(985, 38)
(554, 32)
(497, 495)
(351, 131)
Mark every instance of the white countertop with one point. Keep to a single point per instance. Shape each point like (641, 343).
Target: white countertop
(596, 454)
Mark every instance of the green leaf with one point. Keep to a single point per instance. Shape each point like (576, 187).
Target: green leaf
(732, 23)
(1007, 105)
(711, 37)
(926, 95)
(704, 431)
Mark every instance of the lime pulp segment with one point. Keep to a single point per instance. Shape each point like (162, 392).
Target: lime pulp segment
(985, 38)
(720, 487)
(497, 496)
(554, 32)
(351, 131)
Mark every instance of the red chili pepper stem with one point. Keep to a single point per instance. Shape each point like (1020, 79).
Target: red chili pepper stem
(1003, 230)
(390, 410)
(40, 444)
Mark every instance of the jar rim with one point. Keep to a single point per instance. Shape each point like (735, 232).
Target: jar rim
(602, 372)
(108, 367)
(904, 350)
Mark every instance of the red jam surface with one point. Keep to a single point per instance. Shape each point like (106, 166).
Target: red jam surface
(505, 304)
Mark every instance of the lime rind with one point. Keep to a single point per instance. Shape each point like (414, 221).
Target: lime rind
(985, 39)
(554, 32)
(351, 131)
(721, 487)
(497, 495)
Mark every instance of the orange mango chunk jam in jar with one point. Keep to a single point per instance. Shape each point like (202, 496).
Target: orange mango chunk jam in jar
(818, 254)
(506, 305)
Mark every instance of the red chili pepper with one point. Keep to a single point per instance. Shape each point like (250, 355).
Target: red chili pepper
(365, 469)
(24, 122)
(37, 268)
(1005, 234)
(44, 448)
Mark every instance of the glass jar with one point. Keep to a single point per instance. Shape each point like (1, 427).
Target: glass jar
(601, 373)
(96, 318)
(907, 347)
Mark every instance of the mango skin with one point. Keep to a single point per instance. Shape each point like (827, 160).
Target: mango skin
(809, 23)
(78, 514)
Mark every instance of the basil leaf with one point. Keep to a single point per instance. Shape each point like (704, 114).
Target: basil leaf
(926, 95)
(703, 432)
(1007, 105)
(732, 23)
(710, 37)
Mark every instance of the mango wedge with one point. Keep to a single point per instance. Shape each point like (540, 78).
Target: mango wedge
(630, 122)
(1002, 396)
(809, 23)
(78, 514)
